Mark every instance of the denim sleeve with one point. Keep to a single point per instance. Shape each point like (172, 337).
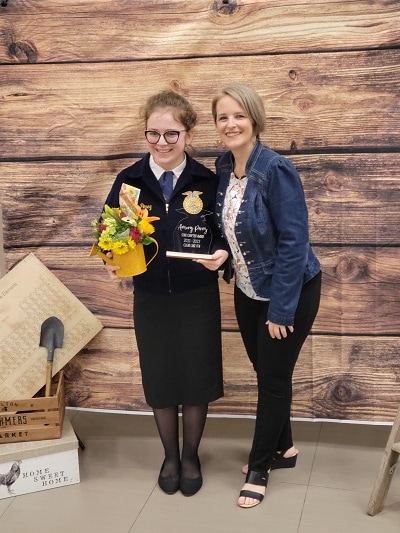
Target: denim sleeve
(289, 214)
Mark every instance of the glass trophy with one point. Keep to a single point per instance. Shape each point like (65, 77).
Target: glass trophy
(192, 235)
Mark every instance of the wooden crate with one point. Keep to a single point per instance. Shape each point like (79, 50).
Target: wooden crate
(37, 418)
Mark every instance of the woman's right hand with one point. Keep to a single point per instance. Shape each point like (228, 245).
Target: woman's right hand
(111, 269)
(218, 259)
(277, 331)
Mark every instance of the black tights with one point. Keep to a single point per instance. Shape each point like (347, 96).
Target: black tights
(193, 422)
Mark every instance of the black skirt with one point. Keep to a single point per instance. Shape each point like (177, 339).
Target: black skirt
(179, 341)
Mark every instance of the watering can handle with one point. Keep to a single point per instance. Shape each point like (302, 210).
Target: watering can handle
(156, 252)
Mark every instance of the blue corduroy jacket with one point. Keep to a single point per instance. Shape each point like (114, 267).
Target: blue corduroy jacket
(165, 274)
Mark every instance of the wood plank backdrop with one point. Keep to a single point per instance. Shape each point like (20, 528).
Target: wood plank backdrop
(73, 76)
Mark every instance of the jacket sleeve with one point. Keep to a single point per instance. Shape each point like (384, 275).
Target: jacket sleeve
(289, 214)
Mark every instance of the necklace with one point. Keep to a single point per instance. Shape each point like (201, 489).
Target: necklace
(241, 177)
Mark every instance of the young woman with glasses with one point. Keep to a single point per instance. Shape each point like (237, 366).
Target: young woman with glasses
(176, 301)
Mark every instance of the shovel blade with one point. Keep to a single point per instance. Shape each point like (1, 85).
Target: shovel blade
(51, 335)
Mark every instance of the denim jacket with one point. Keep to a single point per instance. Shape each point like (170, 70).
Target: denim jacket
(271, 229)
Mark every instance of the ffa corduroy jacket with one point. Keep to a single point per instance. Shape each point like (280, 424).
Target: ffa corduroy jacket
(165, 274)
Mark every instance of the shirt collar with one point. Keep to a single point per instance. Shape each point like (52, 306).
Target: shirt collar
(158, 171)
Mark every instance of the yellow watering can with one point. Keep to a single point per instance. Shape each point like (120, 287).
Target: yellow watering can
(131, 263)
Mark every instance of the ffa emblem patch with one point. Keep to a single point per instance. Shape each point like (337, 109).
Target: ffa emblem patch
(192, 204)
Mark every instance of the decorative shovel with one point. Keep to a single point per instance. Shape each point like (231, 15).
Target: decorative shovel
(51, 337)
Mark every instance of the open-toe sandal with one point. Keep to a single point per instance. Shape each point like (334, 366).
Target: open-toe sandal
(279, 461)
(254, 478)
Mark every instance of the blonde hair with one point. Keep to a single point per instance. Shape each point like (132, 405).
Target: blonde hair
(248, 99)
(182, 110)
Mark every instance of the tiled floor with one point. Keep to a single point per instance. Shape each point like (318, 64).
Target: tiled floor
(327, 492)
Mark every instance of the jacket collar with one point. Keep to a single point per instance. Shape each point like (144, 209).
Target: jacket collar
(141, 170)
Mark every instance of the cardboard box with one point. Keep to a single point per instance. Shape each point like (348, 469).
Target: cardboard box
(33, 466)
(30, 294)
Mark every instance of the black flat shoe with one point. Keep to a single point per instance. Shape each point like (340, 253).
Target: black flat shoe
(189, 487)
(279, 461)
(254, 478)
(169, 484)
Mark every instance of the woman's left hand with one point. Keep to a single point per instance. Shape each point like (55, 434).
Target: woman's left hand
(278, 332)
(218, 258)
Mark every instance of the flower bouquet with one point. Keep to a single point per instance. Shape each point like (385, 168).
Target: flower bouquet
(123, 231)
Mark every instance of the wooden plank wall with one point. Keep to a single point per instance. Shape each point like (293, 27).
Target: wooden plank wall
(72, 78)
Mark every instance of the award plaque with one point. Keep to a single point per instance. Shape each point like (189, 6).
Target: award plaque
(192, 235)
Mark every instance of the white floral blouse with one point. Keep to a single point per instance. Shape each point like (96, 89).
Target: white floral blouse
(233, 199)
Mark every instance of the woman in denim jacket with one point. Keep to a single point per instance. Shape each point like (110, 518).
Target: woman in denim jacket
(262, 212)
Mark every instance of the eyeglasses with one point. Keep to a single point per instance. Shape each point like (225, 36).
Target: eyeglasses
(170, 136)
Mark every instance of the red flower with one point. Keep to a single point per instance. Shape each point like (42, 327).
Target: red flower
(102, 227)
(135, 234)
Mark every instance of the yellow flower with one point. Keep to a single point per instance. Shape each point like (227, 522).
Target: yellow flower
(105, 244)
(119, 248)
(146, 227)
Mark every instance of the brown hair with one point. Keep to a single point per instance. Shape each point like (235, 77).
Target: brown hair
(248, 99)
(182, 110)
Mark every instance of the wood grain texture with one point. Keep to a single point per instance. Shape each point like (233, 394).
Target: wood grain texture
(359, 377)
(344, 378)
(313, 102)
(357, 290)
(73, 76)
(355, 279)
(352, 199)
(99, 30)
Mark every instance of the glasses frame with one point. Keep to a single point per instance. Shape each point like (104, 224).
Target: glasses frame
(163, 135)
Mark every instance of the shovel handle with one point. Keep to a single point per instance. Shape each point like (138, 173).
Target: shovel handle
(49, 372)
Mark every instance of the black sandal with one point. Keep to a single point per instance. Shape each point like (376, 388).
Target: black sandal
(279, 461)
(254, 478)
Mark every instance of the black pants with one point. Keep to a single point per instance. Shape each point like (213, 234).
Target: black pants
(274, 361)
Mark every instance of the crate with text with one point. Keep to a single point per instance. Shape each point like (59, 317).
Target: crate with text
(36, 418)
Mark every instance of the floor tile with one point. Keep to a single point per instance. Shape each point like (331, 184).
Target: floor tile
(119, 439)
(327, 492)
(107, 500)
(214, 509)
(348, 456)
(337, 510)
(4, 504)
(226, 443)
